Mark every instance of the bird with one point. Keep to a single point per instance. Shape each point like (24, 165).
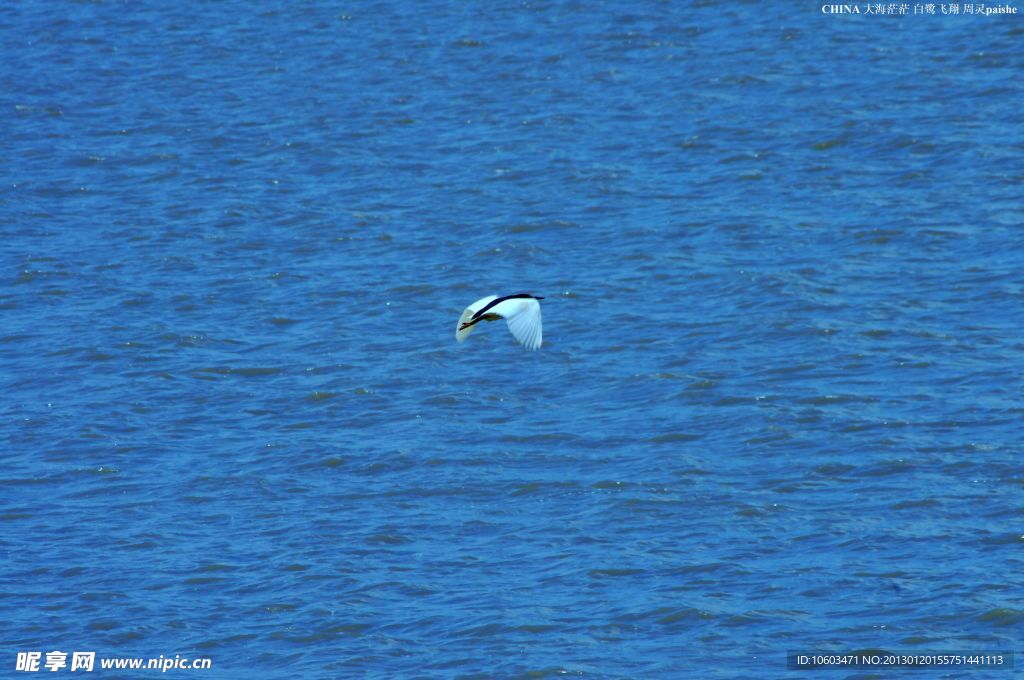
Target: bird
(521, 311)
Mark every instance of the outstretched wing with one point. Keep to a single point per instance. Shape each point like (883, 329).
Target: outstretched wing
(524, 322)
(468, 314)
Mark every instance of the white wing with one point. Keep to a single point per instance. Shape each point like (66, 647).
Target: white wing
(524, 321)
(468, 314)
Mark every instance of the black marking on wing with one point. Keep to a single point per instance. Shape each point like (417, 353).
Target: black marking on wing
(490, 304)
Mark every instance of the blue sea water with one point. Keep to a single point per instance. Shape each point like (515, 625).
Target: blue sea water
(779, 402)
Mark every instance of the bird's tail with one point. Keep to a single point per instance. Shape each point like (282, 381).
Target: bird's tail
(460, 332)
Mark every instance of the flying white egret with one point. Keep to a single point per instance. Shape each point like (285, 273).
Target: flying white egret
(521, 311)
